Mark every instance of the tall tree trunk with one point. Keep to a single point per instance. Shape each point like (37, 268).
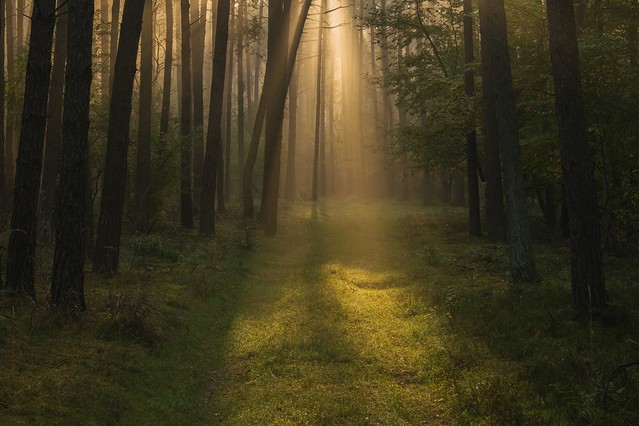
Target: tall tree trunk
(115, 32)
(224, 184)
(24, 221)
(258, 53)
(494, 34)
(389, 172)
(318, 105)
(240, 90)
(278, 33)
(4, 202)
(212, 157)
(198, 26)
(9, 153)
(104, 49)
(20, 13)
(292, 137)
(143, 163)
(247, 182)
(474, 219)
(186, 206)
(107, 245)
(588, 284)
(67, 283)
(54, 122)
(168, 69)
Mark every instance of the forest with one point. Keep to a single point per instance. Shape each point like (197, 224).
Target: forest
(325, 212)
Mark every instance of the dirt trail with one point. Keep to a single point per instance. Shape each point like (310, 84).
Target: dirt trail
(325, 333)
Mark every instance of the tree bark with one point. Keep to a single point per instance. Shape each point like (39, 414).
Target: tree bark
(168, 69)
(10, 113)
(24, 221)
(240, 89)
(53, 134)
(104, 48)
(588, 283)
(292, 137)
(214, 134)
(107, 246)
(186, 206)
(4, 202)
(115, 32)
(143, 163)
(493, 30)
(318, 106)
(474, 219)
(67, 285)
(198, 26)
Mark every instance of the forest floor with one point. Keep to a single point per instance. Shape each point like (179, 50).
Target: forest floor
(358, 312)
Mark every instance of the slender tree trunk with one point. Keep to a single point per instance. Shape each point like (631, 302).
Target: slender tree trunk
(224, 183)
(20, 12)
(588, 284)
(9, 154)
(54, 121)
(292, 137)
(67, 284)
(198, 19)
(107, 246)
(168, 69)
(279, 16)
(247, 196)
(258, 53)
(143, 163)
(240, 90)
(4, 202)
(249, 86)
(24, 221)
(212, 157)
(186, 206)
(493, 29)
(318, 105)
(474, 219)
(115, 32)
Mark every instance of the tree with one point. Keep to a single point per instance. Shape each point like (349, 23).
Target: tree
(588, 284)
(113, 38)
(107, 245)
(67, 281)
(186, 206)
(143, 163)
(319, 122)
(3, 177)
(168, 68)
(198, 26)
(495, 41)
(212, 157)
(54, 113)
(24, 220)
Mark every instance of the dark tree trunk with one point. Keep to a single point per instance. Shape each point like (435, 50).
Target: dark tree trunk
(258, 53)
(495, 214)
(472, 164)
(318, 106)
(240, 90)
(168, 68)
(115, 32)
(493, 30)
(198, 26)
(212, 157)
(10, 113)
(54, 122)
(67, 281)
(278, 17)
(186, 206)
(143, 163)
(224, 183)
(107, 246)
(247, 182)
(24, 221)
(292, 137)
(588, 284)
(4, 202)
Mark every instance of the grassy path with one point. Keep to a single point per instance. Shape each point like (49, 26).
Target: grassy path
(324, 332)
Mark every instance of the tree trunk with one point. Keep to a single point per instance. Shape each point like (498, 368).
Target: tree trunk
(474, 219)
(115, 32)
(4, 202)
(198, 26)
(67, 281)
(168, 68)
(588, 284)
(225, 178)
(214, 133)
(104, 48)
(186, 206)
(278, 18)
(143, 163)
(494, 33)
(292, 137)
(318, 105)
(240, 90)
(107, 246)
(54, 122)
(24, 221)
(9, 154)
(258, 53)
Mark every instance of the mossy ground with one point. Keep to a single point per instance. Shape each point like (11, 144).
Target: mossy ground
(356, 313)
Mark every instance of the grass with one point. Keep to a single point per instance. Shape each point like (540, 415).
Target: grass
(357, 313)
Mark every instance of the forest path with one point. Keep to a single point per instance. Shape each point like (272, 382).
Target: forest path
(325, 330)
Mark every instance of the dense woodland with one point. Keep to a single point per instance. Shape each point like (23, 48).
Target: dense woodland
(127, 123)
